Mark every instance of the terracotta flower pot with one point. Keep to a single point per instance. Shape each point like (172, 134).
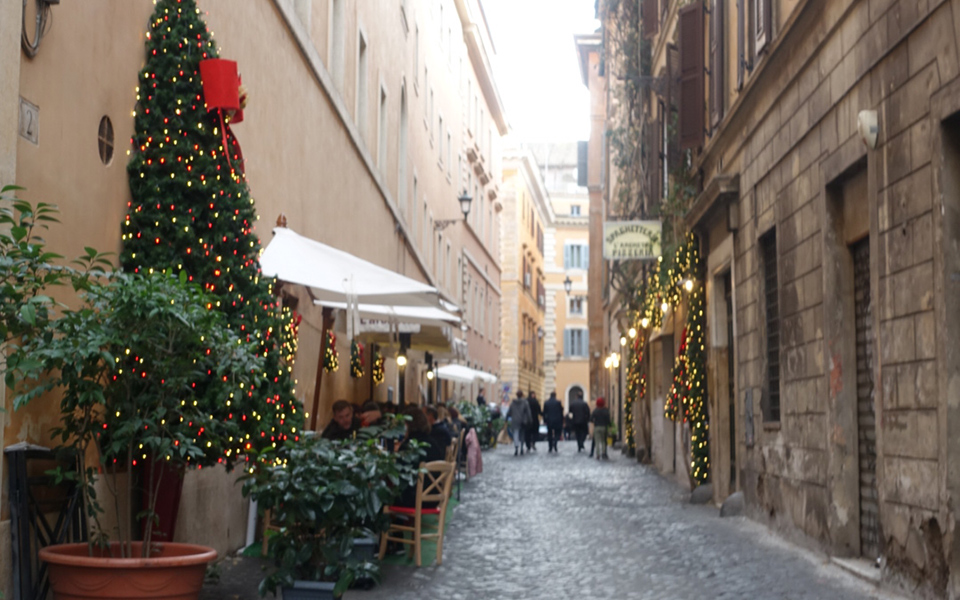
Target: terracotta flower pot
(173, 572)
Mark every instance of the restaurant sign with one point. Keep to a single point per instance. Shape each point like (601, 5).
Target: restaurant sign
(631, 240)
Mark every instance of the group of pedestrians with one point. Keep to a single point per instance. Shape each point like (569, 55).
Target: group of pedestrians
(523, 419)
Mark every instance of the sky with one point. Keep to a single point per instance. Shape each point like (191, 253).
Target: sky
(536, 66)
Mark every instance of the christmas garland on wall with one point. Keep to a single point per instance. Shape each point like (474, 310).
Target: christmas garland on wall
(658, 293)
(377, 366)
(636, 390)
(331, 360)
(356, 359)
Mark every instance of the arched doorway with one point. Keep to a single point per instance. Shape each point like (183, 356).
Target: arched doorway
(574, 391)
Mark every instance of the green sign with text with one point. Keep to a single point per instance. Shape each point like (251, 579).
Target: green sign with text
(631, 240)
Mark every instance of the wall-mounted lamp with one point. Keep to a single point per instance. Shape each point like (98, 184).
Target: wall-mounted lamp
(665, 307)
(688, 285)
(644, 322)
(868, 128)
(464, 201)
(623, 340)
(567, 284)
(401, 360)
(633, 332)
(430, 375)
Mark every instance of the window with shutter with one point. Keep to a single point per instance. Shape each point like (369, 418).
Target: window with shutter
(770, 404)
(653, 163)
(763, 22)
(671, 149)
(717, 65)
(741, 56)
(691, 76)
(651, 17)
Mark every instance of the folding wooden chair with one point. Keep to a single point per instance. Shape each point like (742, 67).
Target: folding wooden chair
(433, 486)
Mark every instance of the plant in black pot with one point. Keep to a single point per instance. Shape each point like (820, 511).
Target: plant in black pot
(127, 365)
(323, 497)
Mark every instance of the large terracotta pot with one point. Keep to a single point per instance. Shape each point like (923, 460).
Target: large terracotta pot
(173, 572)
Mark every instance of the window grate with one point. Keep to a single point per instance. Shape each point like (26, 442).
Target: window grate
(768, 250)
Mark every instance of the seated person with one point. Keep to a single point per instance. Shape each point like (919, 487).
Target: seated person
(438, 428)
(344, 424)
(419, 429)
(370, 414)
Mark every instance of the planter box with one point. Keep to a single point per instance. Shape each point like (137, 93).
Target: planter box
(366, 548)
(309, 590)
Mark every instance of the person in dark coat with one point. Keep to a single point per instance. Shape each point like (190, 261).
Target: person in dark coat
(553, 419)
(418, 429)
(533, 430)
(518, 416)
(579, 420)
(601, 421)
(343, 424)
(481, 401)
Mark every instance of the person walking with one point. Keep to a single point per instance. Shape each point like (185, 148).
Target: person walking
(579, 420)
(481, 401)
(601, 421)
(553, 419)
(533, 429)
(519, 417)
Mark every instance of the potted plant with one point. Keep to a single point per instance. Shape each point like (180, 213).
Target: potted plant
(323, 497)
(128, 364)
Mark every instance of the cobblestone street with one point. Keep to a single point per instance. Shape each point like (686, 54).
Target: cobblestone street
(564, 526)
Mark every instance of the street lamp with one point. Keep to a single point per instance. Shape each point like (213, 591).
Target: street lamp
(567, 284)
(465, 200)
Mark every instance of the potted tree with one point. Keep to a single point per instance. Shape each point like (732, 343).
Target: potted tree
(325, 497)
(128, 364)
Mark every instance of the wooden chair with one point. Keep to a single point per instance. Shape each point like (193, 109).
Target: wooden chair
(453, 455)
(433, 486)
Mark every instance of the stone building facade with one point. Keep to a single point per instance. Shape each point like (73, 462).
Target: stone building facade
(829, 264)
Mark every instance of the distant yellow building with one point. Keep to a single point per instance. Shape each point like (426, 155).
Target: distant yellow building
(522, 282)
(566, 337)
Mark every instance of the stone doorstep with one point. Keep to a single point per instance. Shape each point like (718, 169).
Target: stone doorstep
(863, 568)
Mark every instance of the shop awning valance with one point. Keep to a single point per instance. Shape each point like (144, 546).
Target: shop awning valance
(420, 315)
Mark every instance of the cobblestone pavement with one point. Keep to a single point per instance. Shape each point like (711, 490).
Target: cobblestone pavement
(564, 526)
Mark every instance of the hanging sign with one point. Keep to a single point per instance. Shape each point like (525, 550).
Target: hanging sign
(377, 326)
(631, 240)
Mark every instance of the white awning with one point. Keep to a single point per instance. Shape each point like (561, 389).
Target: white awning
(464, 374)
(337, 276)
(421, 315)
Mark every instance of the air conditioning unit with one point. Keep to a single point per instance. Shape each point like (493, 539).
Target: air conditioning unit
(526, 279)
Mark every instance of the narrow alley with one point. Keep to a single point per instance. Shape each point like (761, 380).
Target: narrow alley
(565, 526)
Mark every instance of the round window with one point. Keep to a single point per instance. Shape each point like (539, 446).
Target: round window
(105, 140)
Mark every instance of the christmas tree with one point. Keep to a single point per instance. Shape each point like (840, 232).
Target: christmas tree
(192, 211)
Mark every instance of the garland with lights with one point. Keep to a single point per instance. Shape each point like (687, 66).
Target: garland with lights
(695, 411)
(636, 390)
(662, 289)
(377, 366)
(356, 359)
(192, 212)
(331, 360)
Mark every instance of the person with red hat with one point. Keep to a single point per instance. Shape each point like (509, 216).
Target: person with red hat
(601, 421)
